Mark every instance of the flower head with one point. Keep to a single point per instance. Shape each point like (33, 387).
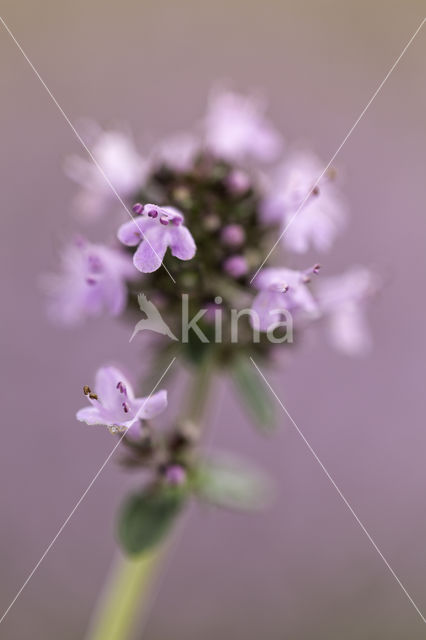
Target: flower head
(92, 282)
(282, 290)
(312, 214)
(155, 229)
(122, 167)
(342, 300)
(113, 403)
(237, 130)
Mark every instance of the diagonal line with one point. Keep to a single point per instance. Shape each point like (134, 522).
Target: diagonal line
(345, 139)
(339, 492)
(84, 145)
(78, 503)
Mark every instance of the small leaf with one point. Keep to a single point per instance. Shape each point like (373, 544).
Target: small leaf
(231, 483)
(256, 398)
(146, 517)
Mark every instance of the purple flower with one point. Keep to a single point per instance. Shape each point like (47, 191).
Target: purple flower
(112, 402)
(155, 229)
(342, 300)
(123, 166)
(92, 282)
(177, 152)
(322, 216)
(236, 266)
(236, 129)
(282, 290)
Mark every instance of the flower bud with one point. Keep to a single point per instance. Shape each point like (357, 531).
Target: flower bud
(236, 266)
(238, 182)
(233, 235)
(175, 475)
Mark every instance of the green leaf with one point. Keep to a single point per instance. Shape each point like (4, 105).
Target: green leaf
(231, 483)
(256, 398)
(146, 517)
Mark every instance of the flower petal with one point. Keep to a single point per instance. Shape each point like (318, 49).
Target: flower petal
(153, 406)
(132, 232)
(348, 330)
(150, 253)
(268, 306)
(89, 415)
(106, 382)
(182, 243)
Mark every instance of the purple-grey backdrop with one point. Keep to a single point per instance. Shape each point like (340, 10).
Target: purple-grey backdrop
(304, 569)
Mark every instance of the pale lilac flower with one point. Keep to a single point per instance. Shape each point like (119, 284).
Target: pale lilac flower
(113, 403)
(233, 235)
(282, 290)
(175, 475)
(236, 266)
(122, 165)
(315, 222)
(236, 129)
(177, 152)
(155, 229)
(92, 282)
(342, 301)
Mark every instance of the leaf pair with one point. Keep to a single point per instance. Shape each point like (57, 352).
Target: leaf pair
(146, 517)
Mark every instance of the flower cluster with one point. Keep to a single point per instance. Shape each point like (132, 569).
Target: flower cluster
(203, 212)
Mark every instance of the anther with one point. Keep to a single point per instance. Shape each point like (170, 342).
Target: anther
(86, 390)
(122, 388)
(138, 208)
(93, 396)
(125, 407)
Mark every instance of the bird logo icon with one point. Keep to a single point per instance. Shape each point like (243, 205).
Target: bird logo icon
(153, 321)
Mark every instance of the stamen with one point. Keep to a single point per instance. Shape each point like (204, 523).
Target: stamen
(308, 272)
(279, 287)
(122, 388)
(138, 208)
(95, 264)
(125, 407)
(86, 390)
(93, 396)
(164, 220)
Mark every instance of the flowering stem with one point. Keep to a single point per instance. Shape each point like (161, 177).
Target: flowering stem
(197, 397)
(130, 584)
(128, 589)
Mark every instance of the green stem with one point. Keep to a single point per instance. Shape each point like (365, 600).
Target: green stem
(129, 586)
(197, 397)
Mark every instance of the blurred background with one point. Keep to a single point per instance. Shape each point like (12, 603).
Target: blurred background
(302, 569)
